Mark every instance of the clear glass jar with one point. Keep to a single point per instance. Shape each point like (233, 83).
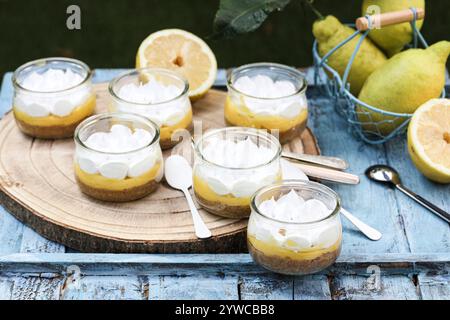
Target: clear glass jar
(226, 189)
(268, 106)
(118, 176)
(290, 247)
(52, 96)
(172, 111)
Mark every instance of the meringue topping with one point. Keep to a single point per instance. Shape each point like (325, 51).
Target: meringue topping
(235, 155)
(116, 159)
(266, 97)
(48, 96)
(154, 100)
(291, 208)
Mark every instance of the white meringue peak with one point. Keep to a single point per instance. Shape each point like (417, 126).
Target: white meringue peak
(154, 100)
(265, 97)
(122, 153)
(291, 207)
(48, 96)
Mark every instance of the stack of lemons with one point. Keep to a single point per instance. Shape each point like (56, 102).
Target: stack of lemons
(409, 82)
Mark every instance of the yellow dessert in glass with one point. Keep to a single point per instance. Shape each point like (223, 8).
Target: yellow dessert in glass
(52, 96)
(294, 227)
(268, 96)
(159, 94)
(118, 157)
(230, 165)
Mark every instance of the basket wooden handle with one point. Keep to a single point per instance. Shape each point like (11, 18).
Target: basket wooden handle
(388, 19)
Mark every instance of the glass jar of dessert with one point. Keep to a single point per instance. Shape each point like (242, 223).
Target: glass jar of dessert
(52, 96)
(268, 96)
(159, 94)
(118, 157)
(295, 227)
(230, 165)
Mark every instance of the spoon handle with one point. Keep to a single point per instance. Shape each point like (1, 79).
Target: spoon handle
(327, 174)
(424, 202)
(330, 162)
(367, 230)
(201, 230)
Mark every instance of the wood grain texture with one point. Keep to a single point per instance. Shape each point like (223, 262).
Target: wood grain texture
(434, 287)
(312, 287)
(364, 288)
(425, 231)
(30, 287)
(181, 264)
(32, 242)
(40, 190)
(103, 288)
(6, 285)
(372, 203)
(267, 286)
(11, 231)
(215, 287)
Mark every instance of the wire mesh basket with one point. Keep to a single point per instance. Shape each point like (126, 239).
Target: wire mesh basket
(368, 123)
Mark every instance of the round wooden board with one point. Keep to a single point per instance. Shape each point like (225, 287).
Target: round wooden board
(38, 187)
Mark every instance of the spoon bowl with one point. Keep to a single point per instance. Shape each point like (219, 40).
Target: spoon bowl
(178, 175)
(388, 175)
(178, 172)
(384, 174)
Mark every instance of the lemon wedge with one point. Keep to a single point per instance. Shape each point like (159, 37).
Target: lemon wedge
(429, 140)
(182, 52)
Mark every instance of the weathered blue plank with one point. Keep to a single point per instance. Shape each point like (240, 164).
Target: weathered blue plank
(369, 288)
(106, 75)
(52, 287)
(374, 205)
(7, 87)
(6, 285)
(313, 287)
(200, 286)
(30, 287)
(5, 105)
(11, 231)
(33, 243)
(266, 287)
(179, 264)
(425, 231)
(434, 287)
(103, 288)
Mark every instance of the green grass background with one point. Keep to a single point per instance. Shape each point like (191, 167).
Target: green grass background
(113, 29)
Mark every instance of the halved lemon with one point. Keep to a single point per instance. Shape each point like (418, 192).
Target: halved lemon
(429, 140)
(183, 52)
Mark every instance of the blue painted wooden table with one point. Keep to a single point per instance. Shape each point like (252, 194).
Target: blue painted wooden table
(412, 261)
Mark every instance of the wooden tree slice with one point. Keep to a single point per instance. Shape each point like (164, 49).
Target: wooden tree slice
(37, 186)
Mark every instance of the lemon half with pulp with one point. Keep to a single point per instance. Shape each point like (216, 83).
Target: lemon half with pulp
(429, 140)
(182, 52)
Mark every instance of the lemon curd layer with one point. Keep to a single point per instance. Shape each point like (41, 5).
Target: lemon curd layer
(202, 188)
(274, 249)
(167, 131)
(245, 118)
(98, 181)
(81, 112)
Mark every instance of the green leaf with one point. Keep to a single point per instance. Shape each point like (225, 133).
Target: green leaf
(242, 16)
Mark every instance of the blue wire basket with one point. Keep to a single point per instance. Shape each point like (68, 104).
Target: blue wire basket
(359, 115)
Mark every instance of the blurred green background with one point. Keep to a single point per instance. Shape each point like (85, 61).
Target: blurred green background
(113, 29)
